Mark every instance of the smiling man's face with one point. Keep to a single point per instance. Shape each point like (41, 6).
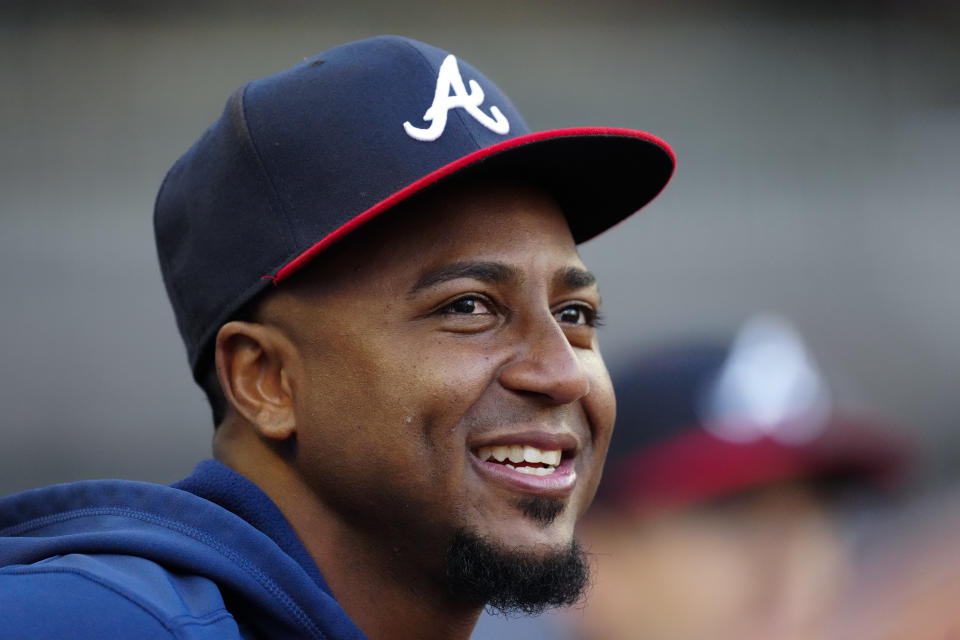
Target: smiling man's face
(433, 344)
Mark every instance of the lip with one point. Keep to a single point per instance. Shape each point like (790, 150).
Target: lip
(539, 439)
(560, 483)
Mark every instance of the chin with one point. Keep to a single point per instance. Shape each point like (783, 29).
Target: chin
(516, 577)
(538, 525)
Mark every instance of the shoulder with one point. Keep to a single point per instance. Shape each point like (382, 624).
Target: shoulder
(103, 596)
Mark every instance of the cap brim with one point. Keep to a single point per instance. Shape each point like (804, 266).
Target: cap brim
(598, 175)
(696, 466)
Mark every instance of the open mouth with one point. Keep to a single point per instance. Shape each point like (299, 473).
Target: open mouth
(522, 458)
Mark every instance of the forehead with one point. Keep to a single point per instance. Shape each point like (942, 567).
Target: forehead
(517, 225)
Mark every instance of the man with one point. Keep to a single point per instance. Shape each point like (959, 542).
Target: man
(372, 263)
(728, 515)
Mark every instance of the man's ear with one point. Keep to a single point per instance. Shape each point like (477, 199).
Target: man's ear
(254, 364)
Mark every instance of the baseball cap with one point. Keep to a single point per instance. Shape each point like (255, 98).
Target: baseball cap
(706, 419)
(302, 158)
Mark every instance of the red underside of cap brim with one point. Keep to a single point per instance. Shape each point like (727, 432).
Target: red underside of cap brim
(605, 182)
(696, 466)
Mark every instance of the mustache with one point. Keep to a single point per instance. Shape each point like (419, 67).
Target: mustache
(492, 417)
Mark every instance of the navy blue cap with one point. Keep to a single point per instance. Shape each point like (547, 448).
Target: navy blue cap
(299, 159)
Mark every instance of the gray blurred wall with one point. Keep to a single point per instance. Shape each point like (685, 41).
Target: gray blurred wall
(817, 177)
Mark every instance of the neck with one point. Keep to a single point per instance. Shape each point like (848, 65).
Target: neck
(388, 592)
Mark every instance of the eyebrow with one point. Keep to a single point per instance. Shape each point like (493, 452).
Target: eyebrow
(493, 272)
(575, 278)
(498, 273)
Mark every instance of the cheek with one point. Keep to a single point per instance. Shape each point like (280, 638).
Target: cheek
(391, 409)
(600, 404)
(599, 407)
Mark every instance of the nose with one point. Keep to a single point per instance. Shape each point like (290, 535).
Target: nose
(546, 365)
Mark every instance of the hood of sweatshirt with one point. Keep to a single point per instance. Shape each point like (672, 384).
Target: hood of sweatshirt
(215, 523)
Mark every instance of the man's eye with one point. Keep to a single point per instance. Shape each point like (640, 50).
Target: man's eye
(467, 306)
(577, 314)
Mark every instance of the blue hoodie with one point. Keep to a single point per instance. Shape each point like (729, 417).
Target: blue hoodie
(209, 557)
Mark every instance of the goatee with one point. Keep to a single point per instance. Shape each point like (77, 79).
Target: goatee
(515, 580)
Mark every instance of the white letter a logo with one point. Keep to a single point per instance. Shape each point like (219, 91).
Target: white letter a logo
(449, 78)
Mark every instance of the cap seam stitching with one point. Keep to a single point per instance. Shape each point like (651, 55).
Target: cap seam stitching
(275, 202)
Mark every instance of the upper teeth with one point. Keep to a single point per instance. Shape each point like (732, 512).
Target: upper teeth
(520, 453)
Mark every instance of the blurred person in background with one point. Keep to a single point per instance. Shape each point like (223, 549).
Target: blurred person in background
(720, 516)
(908, 575)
